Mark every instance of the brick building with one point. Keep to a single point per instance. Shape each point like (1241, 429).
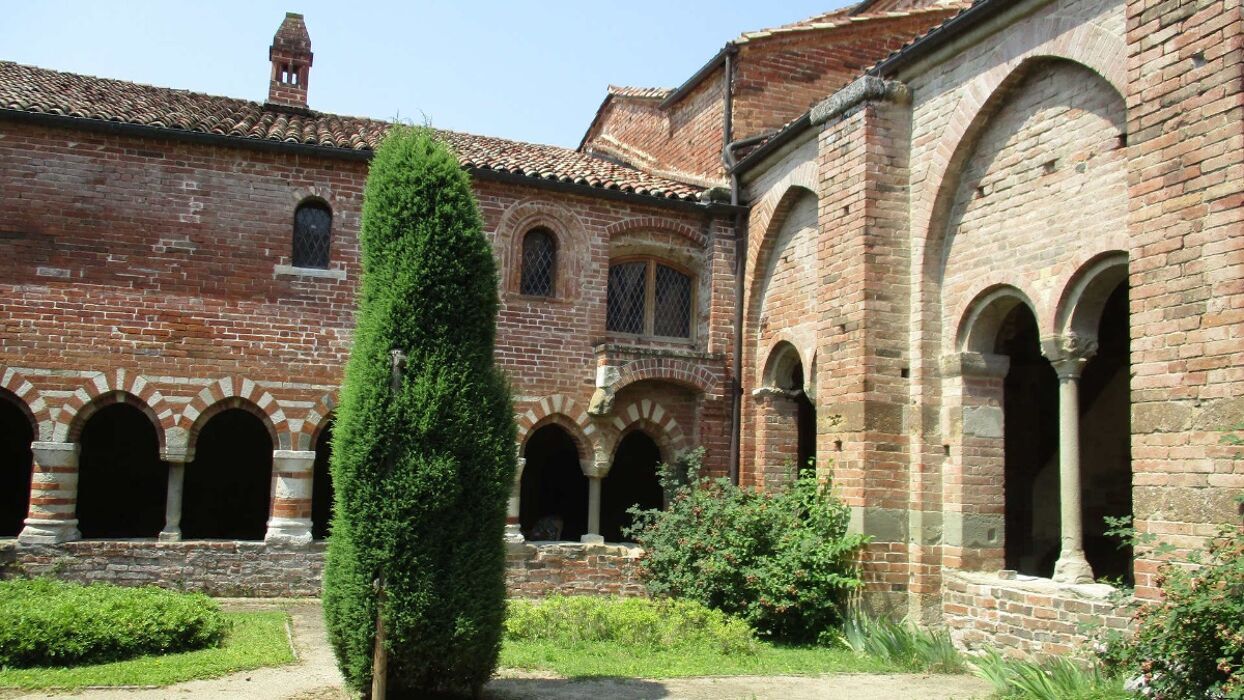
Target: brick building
(981, 260)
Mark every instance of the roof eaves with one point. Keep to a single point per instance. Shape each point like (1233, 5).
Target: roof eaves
(690, 84)
(939, 36)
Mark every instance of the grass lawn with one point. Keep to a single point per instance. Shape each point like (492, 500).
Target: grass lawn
(256, 639)
(597, 658)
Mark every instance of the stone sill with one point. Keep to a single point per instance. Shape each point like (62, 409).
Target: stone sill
(682, 353)
(1031, 584)
(313, 272)
(575, 549)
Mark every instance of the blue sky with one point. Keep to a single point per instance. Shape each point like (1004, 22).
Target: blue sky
(533, 71)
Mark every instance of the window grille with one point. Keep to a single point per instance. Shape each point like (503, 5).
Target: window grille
(539, 263)
(671, 309)
(313, 223)
(626, 297)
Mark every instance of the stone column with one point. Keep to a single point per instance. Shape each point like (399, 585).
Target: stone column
(52, 517)
(595, 471)
(1069, 354)
(290, 521)
(177, 458)
(513, 527)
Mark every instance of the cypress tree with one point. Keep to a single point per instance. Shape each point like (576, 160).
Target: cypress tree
(421, 473)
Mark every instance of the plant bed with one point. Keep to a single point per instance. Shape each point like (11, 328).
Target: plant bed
(253, 640)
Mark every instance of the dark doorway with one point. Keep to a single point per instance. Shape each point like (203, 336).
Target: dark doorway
(16, 435)
(229, 483)
(121, 480)
(1105, 440)
(553, 491)
(806, 420)
(1030, 415)
(322, 484)
(632, 481)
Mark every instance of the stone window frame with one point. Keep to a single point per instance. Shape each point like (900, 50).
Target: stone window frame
(649, 318)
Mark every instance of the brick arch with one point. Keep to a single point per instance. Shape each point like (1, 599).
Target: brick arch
(569, 235)
(802, 177)
(688, 374)
(106, 388)
(29, 400)
(559, 410)
(236, 392)
(654, 418)
(1081, 303)
(309, 431)
(655, 223)
(981, 319)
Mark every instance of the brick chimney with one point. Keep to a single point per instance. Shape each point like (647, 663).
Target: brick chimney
(291, 63)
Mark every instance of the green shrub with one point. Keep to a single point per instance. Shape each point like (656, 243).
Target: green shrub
(53, 623)
(781, 560)
(421, 474)
(1052, 679)
(1191, 643)
(902, 645)
(636, 622)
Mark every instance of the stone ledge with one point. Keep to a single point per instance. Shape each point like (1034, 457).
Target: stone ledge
(1032, 584)
(314, 272)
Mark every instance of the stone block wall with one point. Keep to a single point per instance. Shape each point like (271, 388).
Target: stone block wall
(253, 569)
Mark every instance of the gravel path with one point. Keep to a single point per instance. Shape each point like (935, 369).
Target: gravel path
(315, 677)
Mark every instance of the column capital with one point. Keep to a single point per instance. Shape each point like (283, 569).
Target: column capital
(55, 454)
(1068, 353)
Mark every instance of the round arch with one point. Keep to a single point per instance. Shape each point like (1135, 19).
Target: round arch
(1082, 303)
(226, 404)
(978, 330)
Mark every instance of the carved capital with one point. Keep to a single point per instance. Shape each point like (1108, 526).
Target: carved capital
(1068, 353)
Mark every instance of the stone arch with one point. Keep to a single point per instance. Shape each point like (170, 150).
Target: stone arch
(103, 389)
(309, 431)
(570, 240)
(691, 375)
(563, 411)
(981, 321)
(655, 419)
(235, 392)
(654, 223)
(779, 363)
(1080, 308)
(20, 391)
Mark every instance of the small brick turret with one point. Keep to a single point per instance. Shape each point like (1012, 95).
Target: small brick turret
(291, 57)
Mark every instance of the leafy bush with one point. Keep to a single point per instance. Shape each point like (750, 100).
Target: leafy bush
(636, 622)
(781, 560)
(421, 473)
(902, 645)
(1191, 643)
(53, 623)
(1052, 679)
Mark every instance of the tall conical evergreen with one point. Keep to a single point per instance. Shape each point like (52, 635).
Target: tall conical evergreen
(421, 475)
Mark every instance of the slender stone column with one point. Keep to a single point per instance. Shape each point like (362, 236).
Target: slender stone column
(52, 517)
(1069, 354)
(290, 521)
(177, 458)
(513, 512)
(594, 474)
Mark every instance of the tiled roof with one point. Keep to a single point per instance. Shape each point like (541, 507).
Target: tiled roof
(853, 16)
(42, 91)
(642, 92)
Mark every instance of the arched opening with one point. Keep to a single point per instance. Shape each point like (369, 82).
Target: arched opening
(1030, 417)
(632, 481)
(122, 483)
(553, 496)
(806, 421)
(16, 434)
(228, 485)
(322, 484)
(1105, 440)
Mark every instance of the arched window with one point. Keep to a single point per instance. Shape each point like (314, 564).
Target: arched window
(539, 263)
(647, 297)
(313, 229)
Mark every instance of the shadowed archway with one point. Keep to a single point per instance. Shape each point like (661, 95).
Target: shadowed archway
(632, 481)
(121, 480)
(16, 433)
(228, 485)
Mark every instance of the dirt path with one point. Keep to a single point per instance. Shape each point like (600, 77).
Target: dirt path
(315, 677)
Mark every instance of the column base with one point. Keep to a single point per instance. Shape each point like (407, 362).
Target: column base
(513, 535)
(288, 532)
(39, 531)
(170, 535)
(1072, 567)
(592, 539)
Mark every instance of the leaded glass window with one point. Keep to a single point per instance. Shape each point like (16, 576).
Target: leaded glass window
(648, 298)
(539, 263)
(313, 226)
(627, 297)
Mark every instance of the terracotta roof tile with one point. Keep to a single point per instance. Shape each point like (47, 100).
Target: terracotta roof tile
(42, 91)
(642, 92)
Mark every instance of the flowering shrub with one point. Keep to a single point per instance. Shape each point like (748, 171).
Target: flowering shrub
(781, 560)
